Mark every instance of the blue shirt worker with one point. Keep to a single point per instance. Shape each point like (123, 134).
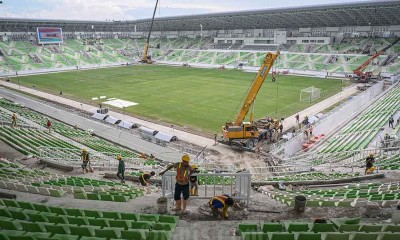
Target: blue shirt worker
(220, 204)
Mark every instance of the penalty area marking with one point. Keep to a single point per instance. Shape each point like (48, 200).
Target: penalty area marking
(119, 103)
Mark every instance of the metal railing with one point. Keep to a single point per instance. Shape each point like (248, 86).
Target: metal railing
(239, 185)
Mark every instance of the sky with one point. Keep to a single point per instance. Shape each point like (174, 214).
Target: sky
(121, 10)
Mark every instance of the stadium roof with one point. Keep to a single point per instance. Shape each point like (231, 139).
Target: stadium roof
(381, 13)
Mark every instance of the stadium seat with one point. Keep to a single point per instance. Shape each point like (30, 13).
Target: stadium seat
(282, 236)
(390, 236)
(107, 233)
(246, 227)
(337, 236)
(272, 227)
(131, 216)
(159, 235)
(254, 236)
(138, 234)
(309, 236)
(365, 236)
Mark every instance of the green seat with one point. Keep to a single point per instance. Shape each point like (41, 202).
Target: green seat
(164, 226)
(26, 205)
(121, 198)
(141, 225)
(349, 228)
(58, 210)
(10, 203)
(12, 233)
(87, 231)
(18, 214)
(392, 228)
(9, 225)
(101, 222)
(149, 217)
(93, 213)
(39, 234)
(92, 196)
(370, 228)
(57, 219)
(56, 229)
(32, 227)
(297, 227)
(309, 236)
(125, 224)
(365, 236)
(254, 236)
(80, 195)
(4, 212)
(107, 198)
(92, 238)
(272, 227)
(65, 237)
(78, 220)
(23, 237)
(107, 233)
(337, 236)
(390, 236)
(282, 236)
(111, 215)
(41, 208)
(74, 212)
(166, 219)
(137, 234)
(37, 217)
(132, 216)
(246, 227)
(323, 227)
(159, 235)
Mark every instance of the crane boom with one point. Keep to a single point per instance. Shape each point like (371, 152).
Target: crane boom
(257, 83)
(245, 134)
(145, 58)
(358, 71)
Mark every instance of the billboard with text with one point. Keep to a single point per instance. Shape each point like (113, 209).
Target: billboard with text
(49, 35)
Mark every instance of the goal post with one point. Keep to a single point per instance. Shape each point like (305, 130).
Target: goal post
(310, 94)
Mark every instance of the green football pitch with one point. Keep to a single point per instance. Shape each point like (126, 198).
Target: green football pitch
(201, 99)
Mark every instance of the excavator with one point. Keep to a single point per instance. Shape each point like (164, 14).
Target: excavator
(245, 134)
(146, 58)
(364, 77)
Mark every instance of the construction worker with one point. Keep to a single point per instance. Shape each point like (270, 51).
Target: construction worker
(222, 203)
(49, 124)
(85, 160)
(194, 186)
(183, 172)
(369, 164)
(121, 169)
(145, 177)
(14, 120)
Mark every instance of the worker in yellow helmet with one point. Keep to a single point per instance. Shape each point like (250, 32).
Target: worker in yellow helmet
(85, 160)
(183, 172)
(14, 120)
(194, 186)
(369, 164)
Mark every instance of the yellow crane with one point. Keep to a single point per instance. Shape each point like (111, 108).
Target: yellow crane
(146, 58)
(245, 134)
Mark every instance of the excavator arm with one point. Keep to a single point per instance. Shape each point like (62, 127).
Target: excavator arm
(256, 86)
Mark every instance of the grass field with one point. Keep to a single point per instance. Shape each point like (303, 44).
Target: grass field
(202, 99)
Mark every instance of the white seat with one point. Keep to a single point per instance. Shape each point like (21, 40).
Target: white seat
(43, 191)
(21, 188)
(11, 186)
(68, 189)
(3, 185)
(32, 189)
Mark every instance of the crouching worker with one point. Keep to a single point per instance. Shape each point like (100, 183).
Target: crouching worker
(369, 164)
(145, 177)
(220, 204)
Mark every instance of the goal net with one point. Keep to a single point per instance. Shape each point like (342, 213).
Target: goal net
(310, 94)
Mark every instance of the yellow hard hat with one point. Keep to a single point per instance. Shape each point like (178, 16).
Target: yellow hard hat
(83, 149)
(119, 157)
(185, 158)
(371, 154)
(194, 166)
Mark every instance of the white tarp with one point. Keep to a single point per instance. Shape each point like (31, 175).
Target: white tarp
(126, 125)
(111, 120)
(99, 116)
(148, 131)
(313, 119)
(119, 103)
(165, 137)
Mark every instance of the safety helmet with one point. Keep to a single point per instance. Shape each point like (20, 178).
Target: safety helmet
(119, 157)
(371, 154)
(83, 149)
(194, 166)
(186, 158)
